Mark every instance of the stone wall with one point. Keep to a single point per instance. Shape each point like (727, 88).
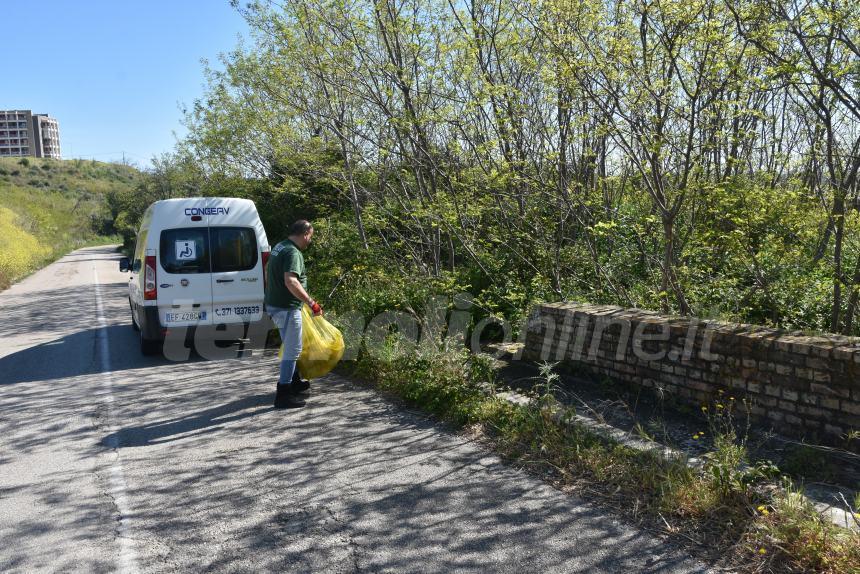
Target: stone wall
(802, 386)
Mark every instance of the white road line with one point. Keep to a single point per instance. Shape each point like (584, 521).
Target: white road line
(116, 478)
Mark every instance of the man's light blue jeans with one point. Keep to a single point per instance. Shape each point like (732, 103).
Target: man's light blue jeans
(289, 323)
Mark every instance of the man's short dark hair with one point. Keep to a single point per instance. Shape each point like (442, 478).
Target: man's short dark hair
(300, 227)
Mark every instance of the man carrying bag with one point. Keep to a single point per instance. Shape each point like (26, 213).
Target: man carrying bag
(286, 291)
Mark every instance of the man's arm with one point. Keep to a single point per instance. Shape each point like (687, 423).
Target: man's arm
(291, 280)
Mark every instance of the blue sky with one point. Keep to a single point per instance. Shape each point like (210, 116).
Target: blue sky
(113, 73)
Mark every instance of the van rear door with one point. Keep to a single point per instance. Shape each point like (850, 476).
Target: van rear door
(237, 274)
(184, 284)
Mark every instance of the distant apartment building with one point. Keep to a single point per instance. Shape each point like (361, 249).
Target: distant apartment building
(23, 133)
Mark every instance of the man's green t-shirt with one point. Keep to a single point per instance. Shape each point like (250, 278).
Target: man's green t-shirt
(285, 258)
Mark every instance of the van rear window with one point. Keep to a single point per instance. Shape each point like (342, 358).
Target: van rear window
(185, 250)
(233, 248)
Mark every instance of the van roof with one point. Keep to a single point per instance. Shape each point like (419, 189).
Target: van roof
(212, 211)
(177, 201)
(168, 207)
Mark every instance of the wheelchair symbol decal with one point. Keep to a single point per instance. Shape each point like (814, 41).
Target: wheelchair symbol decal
(185, 250)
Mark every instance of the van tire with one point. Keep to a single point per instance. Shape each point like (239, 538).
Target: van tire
(149, 347)
(134, 324)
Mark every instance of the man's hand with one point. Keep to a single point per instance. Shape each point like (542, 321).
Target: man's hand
(315, 307)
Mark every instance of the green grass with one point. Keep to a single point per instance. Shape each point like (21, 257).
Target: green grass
(744, 516)
(50, 207)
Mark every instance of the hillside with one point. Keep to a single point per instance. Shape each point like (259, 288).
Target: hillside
(50, 207)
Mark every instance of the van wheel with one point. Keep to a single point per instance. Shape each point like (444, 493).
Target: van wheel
(134, 324)
(149, 347)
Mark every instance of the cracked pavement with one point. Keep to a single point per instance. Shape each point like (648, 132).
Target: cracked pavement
(214, 479)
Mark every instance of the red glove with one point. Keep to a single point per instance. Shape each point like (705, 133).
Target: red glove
(315, 307)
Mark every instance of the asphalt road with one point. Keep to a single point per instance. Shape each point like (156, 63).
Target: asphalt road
(111, 461)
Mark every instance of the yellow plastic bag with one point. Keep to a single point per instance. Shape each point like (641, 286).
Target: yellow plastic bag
(322, 346)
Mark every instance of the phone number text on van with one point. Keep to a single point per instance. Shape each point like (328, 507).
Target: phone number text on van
(238, 311)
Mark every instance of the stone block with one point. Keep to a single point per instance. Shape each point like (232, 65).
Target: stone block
(736, 382)
(817, 363)
(787, 406)
(783, 369)
(772, 390)
(823, 351)
(675, 379)
(766, 401)
(793, 420)
(800, 347)
(850, 407)
(804, 373)
(829, 403)
(812, 426)
(809, 398)
(844, 353)
(848, 420)
(829, 390)
(810, 411)
(700, 386)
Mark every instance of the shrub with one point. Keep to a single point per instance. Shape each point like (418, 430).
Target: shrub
(20, 252)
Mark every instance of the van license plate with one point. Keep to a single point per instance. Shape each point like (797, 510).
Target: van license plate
(185, 316)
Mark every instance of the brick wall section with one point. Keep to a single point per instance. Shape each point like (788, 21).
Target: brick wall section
(802, 386)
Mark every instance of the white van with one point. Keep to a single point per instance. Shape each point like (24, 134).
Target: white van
(198, 262)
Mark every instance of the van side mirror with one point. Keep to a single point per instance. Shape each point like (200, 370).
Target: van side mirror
(124, 264)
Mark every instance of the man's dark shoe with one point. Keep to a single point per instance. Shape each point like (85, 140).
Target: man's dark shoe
(285, 398)
(299, 384)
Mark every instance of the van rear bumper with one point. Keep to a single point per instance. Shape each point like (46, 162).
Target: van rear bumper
(256, 331)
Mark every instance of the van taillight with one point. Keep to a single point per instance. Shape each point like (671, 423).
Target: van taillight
(265, 262)
(150, 291)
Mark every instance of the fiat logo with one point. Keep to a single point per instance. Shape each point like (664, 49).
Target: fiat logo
(184, 282)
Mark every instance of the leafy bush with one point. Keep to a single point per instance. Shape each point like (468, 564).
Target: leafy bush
(20, 252)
